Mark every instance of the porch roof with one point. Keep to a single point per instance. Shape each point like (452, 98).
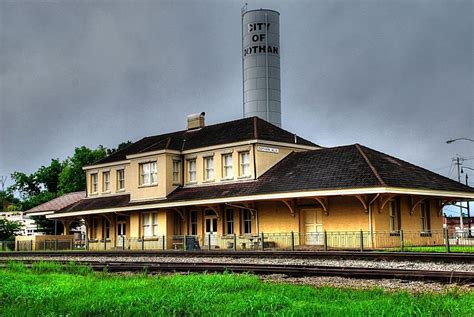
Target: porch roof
(351, 169)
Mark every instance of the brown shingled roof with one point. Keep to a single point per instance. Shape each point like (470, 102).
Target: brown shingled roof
(59, 202)
(216, 134)
(344, 167)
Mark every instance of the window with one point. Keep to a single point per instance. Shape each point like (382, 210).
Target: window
(229, 220)
(95, 228)
(193, 222)
(227, 165)
(395, 215)
(244, 158)
(106, 181)
(209, 168)
(107, 229)
(247, 220)
(192, 171)
(148, 174)
(150, 224)
(94, 183)
(176, 172)
(154, 224)
(425, 217)
(120, 179)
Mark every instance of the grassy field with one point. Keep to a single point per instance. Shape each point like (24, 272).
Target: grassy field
(51, 290)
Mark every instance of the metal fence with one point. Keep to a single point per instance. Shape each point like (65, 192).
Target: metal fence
(407, 241)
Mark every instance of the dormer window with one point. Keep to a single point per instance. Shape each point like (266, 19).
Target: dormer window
(105, 181)
(209, 168)
(192, 171)
(227, 166)
(94, 183)
(120, 179)
(148, 174)
(244, 160)
(176, 172)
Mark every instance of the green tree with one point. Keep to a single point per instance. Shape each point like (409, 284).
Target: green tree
(48, 176)
(72, 177)
(8, 229)
(25, 185)
(120, 147)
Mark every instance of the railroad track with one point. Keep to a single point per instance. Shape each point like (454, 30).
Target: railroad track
(374, 256)
(289, 270)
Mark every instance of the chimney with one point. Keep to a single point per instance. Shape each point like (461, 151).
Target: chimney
(196, 121)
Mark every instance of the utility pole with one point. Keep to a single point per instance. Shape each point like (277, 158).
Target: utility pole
(458, 161)
(468, 214)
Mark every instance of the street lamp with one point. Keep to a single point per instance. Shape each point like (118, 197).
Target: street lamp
(454, 140)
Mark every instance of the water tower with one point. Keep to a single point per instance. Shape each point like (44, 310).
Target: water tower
(261, 64)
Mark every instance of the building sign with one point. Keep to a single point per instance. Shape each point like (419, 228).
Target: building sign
(258, 41)
(268, 149)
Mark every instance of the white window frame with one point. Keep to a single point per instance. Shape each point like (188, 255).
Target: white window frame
(176, 172)
(192, 172)
(94, 182)
(209, 168)
(244, 166)
(393, 216)
(148, 174)
(106, 181)
(425, 219)
(150, 224)
(245, 221)
(121, 179)
(227, 168)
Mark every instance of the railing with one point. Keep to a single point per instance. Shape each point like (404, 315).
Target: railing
(407, 241)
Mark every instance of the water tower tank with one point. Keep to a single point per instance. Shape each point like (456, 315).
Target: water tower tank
(261, 64)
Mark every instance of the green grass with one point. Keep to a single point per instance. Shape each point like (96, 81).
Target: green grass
(439, 248)
(53, 290)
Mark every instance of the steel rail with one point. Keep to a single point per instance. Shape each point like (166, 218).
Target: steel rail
(375, 256)
(289, 270)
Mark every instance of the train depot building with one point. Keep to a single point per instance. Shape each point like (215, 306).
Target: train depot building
(249, 184)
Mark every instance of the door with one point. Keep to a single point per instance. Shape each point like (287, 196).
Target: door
(313, 227)
(211, 230)
(121, 232)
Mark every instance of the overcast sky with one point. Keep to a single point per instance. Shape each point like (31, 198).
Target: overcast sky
(397, 76)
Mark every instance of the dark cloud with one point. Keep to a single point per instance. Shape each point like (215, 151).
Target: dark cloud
(397, 76)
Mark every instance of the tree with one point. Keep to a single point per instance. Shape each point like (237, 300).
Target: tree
(26, 185)
(49, 175)
(72, 177)
(8, 229)
(120, 147)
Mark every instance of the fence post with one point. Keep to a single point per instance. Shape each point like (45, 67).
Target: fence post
(446, 237)
(401, 241)
(361, 241)
(71, 243)
(184, 243)
(209, 242)
(44, 245)
(325, 240)
(105, 244)
(3, 245)
(235, 242)
(143, 243)
(263, 241)
(123, 243)
(164, 242)
(292, 242)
